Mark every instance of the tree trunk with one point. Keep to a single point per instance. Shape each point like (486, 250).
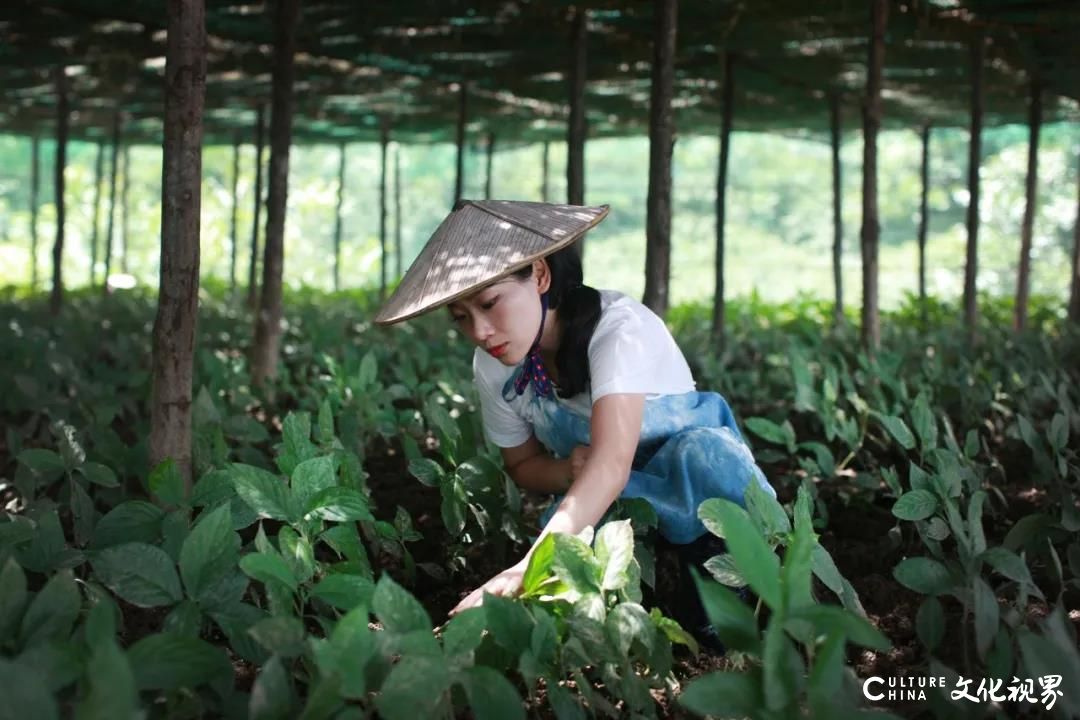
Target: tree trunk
(268, 320)
(384, 256)
(253, 260)
(1023, 278)
(56, 298)
(124, 185)
(871, 228)
(576, 128)
(661, 141)
(114, 172)
(99, 170)
(338, 207)
(837, 210)
(463, 109)
(924, 215)
(398, 252)
(489, 170)
(178, 289)
(545, 171)
(234, 237)
(971, 266)
(727, 112)
(35, 183)
(1074, 291)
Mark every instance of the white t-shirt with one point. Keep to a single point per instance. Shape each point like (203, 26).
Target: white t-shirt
(631, 351)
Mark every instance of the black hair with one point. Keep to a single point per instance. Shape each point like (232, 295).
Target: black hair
(579, 311)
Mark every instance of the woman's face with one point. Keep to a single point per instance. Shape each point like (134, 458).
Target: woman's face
(504, 317)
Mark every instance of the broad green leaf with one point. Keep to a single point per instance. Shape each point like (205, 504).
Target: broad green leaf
(142, 574)
(234, 622)
(166, 483)
(614, 548)
(167, 661)
(538, 570)
(770, 514)
(986, 615)
(491, 696)
(827, 619)
(628, 622)
(733, 619)
(12, 597)
(272, 695)
(47, 550)
(297, 446)
(825, 684)
(923, 575)
(1059, 432)
(209, 552)
(922, 417)
(99, 474)
(351, 647)
(464, 631)
(930, 623)
(130, 521)
(25, 693)
(574, 563)
(343, 591)
(771, 431)
(311, 477)
(825, 569)
(52, 612)
(185, 619)
(267, 568)
(783, 667)
(416, 688)
(281, 635)
(174, 531)
(426, 471)
(898, 429)
(723, 570)
(508, 622)
(110, 680)
(1028, 433)
(975, 506)
(297, 553)
(673, 631)
(397, 609)
(754, 559)
(563, 704)
(46, 465)
(915, 505)
(709, 515)
(339, 504)
(1008, 564)
(725, 694)
(84, 515)
(264, 492)
(325, 428)
(454, 502)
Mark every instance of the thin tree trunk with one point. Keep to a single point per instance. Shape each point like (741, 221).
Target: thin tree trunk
(545, 170)
(490, 167)
(35, 183)
(1074, 292)
(837, 208)
(576, 128)
(99, 170)
(124, 185)
(114, 172)
(924, 215)
(234, 237)
(971, 266)
(1023, 278)
(256, 223)
(338, 216)
(178, 288)
(384, 256)
(56, 298)
(661, 142)
(871, 228)
(398, 252)
(463, 109)
(268, 319)
(727, 113)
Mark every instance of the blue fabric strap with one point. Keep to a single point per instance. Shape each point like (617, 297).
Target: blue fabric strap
(533, 370)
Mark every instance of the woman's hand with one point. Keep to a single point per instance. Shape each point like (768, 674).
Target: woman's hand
(507, 583)
(578, 456)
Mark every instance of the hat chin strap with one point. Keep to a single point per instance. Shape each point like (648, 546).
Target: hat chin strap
(533, 371)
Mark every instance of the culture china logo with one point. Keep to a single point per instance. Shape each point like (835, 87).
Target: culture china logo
(1043, 690)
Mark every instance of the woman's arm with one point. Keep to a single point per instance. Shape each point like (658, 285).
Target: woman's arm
(615, 429)
(531, 467)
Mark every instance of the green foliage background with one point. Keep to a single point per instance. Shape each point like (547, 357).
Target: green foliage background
(779, 231)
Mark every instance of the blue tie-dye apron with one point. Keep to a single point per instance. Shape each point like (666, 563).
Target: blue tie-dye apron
(690, 450)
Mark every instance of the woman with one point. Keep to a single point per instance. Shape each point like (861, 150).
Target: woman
(585, 392)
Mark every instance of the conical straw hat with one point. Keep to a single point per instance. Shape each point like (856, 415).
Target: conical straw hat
(482, 241)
